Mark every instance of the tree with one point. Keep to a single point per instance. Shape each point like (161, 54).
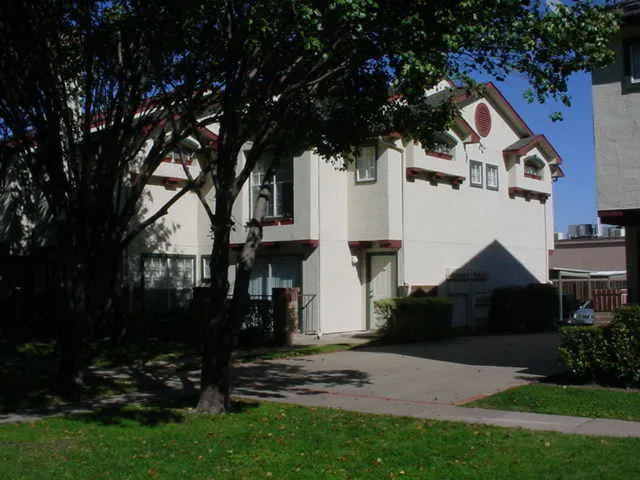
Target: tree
(291, 75)
(93, 95)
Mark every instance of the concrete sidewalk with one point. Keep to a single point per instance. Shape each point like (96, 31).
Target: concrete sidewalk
(428, 381)
(423, 380)
(499, 418)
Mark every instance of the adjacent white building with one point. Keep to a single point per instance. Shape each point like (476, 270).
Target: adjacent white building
(457, 222)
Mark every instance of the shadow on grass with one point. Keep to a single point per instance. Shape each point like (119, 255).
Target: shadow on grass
(276, 380)
(153, 413)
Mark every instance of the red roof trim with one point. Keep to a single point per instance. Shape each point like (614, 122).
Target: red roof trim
(312, 243)
(528, 194)
(497, 95)
(463, 125)
(535, 141)
(433, 176)
(443, 156)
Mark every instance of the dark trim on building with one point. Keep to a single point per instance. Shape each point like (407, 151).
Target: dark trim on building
(528, 194)
(395, 244)
(433, 177)
(621, 217)
(283, 243)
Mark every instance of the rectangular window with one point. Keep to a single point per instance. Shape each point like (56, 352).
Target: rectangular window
(168, 282)
(168, 271)
(492, 177)
(366, 164)
(279, 272)
(475, 173)
(281, 204)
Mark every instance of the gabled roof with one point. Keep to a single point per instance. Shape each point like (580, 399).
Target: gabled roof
(465, 131)
(528, 139)
(525, 145)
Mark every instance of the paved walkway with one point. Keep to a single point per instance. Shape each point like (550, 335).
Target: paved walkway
(429, 380)
(423, 380)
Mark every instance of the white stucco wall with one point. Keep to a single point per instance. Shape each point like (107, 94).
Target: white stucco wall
(441, 228)
(340, 288)
(305, 205)
(477, 229)
(374, 206)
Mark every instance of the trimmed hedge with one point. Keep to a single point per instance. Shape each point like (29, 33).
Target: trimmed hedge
(608, 355)
(414, 318)
(531, 308)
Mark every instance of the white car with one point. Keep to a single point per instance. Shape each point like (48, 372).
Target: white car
(584, 315)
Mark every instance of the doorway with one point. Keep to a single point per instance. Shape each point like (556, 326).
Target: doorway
(381, 282)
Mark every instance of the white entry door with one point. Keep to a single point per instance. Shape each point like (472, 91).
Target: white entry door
(381, 282)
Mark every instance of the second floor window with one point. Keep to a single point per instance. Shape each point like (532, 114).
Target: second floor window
(281, 204)
(492, 177)
(533, 167)
(366, 164)
(446, 145)
(475, 173)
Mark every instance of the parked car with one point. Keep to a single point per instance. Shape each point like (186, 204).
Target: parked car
(584, 315)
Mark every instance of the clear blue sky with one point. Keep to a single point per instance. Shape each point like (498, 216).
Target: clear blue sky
(574, 197)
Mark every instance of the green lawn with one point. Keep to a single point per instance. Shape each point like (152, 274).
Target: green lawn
(566, 400)
(276, 441)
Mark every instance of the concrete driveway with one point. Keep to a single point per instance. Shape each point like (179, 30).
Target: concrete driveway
(450, 372)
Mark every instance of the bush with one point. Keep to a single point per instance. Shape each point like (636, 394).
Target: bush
(607, 355)
(582, 350)
(531, 308)
(414, 318)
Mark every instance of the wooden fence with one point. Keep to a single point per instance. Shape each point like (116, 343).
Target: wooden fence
(606, 294)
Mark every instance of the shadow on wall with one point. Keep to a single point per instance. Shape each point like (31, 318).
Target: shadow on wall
(469, 286)
(164, 288)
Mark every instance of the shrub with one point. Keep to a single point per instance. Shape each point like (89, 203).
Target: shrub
(414, 318)
(582, 351)
(607, 355)
(628, 315)
(531, 308)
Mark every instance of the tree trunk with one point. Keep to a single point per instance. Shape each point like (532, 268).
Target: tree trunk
(218, 334)
(247, 258)
(221, 322)
(72, 315)
(83, 303)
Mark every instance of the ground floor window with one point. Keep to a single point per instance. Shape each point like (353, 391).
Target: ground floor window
(168, 271)
(275, 272)
(168, 281)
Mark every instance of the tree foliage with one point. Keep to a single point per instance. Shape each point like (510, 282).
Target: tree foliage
(94, 94)
(331, 74)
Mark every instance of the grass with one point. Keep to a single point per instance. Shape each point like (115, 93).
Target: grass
(566, 400)
(277, 441)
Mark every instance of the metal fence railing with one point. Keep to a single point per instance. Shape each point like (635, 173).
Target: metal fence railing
(309, 318)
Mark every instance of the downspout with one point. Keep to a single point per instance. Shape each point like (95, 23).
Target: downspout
(319, 279)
